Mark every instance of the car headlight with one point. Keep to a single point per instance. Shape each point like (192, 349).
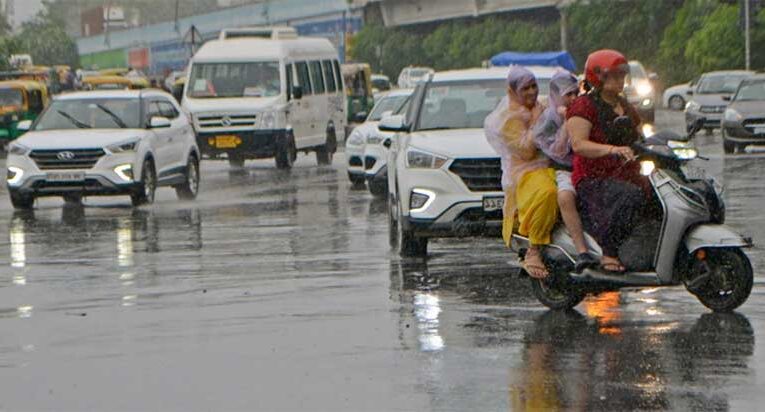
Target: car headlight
(123, 147)
(731, 115)
(14, 175)
(416, 158)
(686, 153)
(268, 120)
(18, 149)
(692, 106)
(374, 138)
(644, 89)
(125, 172)
(647, 167)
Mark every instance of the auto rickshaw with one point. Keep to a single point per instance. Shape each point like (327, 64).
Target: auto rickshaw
(137, 79)
(122, 71)
(358, 88)
(106, 83)
(43, 74)
(19, 100)
(178, 86)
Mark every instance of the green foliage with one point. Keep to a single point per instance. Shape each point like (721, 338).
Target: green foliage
(46, 40)
(719, 43)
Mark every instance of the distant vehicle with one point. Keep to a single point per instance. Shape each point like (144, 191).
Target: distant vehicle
(20, 100)
(252, 97)
(674, 98)
(744, 121)
(380, 85)
(444, 179)
(410, 76)
(172, 78)
(358, 88)
(640, 91)
(366, 156)
(708, 95)
(104, 143)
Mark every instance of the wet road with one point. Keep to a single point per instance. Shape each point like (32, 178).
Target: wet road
(277, 291)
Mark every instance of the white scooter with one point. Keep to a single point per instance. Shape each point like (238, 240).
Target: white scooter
(690, 245)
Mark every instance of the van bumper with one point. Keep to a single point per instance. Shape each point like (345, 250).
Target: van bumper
(255, 144)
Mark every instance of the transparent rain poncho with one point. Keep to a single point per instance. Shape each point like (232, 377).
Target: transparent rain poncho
(550, 133)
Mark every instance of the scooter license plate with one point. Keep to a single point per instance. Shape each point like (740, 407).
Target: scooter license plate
(492, 204)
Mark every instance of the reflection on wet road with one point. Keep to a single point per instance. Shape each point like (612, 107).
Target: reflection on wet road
(277, 291)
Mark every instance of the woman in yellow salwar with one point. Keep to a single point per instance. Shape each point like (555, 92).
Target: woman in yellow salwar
(531, 203)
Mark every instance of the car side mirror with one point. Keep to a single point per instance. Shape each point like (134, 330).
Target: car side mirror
(297, 92)
(159, 122)
(24, 125)
(727, 98)
(360, 117)
(393, 124)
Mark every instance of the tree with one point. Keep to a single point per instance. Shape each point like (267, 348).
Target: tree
(689, 19)
(719, 44)
(46, 40)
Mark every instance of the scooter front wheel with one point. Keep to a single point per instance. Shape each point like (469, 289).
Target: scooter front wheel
(730, 280)
(556, 293)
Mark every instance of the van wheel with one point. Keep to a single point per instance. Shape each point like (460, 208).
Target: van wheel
(403, 240)
(325, 152)
(728, 146)
(190, 188)
(235, 161)
(145, 192)
(377, 188)
(286, 154)
(20, 201)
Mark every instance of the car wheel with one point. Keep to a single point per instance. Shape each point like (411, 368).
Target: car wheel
(379, 188)
(21, 201)
(357, 182)
(728, 146)
(235, 161)
(190, 188)
(148, 185)
(325, 152)
(286, 154)
(676, 103)
(407, 244)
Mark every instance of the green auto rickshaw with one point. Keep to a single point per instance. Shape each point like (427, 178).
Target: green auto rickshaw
(19, 100)
(358, 88)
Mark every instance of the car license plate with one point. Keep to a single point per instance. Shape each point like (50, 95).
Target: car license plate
(65, 177)
(227, 141)
(492, 204)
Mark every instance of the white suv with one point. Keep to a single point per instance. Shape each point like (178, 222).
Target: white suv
(104, 143)
(444, 180)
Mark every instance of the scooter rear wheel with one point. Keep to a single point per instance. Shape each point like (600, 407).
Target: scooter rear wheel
(556, 293)
(730, 282)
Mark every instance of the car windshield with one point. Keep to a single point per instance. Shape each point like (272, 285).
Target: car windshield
(720, 83)
(418, 72)
(459, 105)
(11, 97)
(381, 84)
(387, 104)
(751, 91)
(256, 79)
(91, 114)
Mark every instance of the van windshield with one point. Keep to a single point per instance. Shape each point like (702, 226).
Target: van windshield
(254, 79)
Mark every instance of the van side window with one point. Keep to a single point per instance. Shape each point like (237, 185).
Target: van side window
(304, 79)
(317, 78)
(338, 76)
(288, 75)
(329, 75)
(153, 110)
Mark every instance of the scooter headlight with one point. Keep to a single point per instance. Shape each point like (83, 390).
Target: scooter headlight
(648, 130)
(647, 167)
(686, 153)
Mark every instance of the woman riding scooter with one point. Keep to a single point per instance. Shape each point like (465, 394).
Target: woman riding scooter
(603, 126)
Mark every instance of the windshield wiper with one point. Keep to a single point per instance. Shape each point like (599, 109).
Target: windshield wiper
(74, 121)
(115, 118)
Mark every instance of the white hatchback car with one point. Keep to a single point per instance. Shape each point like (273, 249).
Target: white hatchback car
(444, 180)
(365, 154)
(104, 143)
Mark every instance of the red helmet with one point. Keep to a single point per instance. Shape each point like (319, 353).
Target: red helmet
(602, 62)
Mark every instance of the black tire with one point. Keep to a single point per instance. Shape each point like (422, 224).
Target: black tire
(235, 161)
(378, 188)
(357, 182)
(730, 282)
(728, 146)
(286, 155)
(147, 187)
(21, 201)
(406, 244)
(190, 188)
(676, 103)
(555, 292)
(325, 152)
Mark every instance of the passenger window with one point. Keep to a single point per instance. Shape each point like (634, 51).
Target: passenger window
(153, 110)
(338, 76)
(168, 110)
(329, 76)
(288, 75)
(317, 78)
(304, 79)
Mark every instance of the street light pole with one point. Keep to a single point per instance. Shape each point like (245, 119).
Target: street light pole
(747, 37)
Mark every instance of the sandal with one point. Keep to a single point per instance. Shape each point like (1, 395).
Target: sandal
(533, 265)
(612, 265)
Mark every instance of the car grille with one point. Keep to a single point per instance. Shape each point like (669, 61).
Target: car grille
(712, 109)
(73, 159)
(238, 121)
(479, 175)
(751, 124)
(369, 162)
